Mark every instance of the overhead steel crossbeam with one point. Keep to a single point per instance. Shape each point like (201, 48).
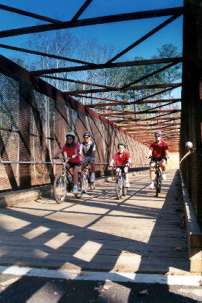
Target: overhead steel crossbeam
(151, 108)
(77, 81)
(137, 87)
(105, 104)
(81, 10)
(92, 21)
(146, 36)
(139, 101)
(121, 123)
(143, 119)
(125, 113)
(166, 127)
(29, 14)
(104, 66)
(43, 54)
(165, 122)
(149, 75)
(110, 87)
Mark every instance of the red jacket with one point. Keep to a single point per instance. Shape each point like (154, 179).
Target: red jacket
(69, 151)
(121, 159)
(159, 149)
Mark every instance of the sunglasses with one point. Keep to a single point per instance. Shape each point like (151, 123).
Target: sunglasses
(86, 136)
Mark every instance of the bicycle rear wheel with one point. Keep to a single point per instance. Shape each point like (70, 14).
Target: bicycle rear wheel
(60, 188)
(84, 183)
(92, 185)
(125, 191)
(158, 185)
(119, 188)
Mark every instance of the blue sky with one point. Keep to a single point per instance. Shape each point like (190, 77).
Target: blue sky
(115, 35)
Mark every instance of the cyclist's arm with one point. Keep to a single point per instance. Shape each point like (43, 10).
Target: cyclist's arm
(150, 153)
(128, 163)
(78, 152)
(167, 154)
(94, 150)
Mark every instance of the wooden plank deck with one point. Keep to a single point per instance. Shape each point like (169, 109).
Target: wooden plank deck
(139, 233)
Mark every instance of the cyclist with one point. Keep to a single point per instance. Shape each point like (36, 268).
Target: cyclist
(158, 152)
(71, 152)
(88, 151)
(121, 160)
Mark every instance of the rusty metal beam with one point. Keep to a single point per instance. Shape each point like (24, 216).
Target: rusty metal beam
(145, 119)
(149, 109)
(104, 66)
(158, 121)
(163, 124)
(100, 104)
(126, 113)
(92, 21)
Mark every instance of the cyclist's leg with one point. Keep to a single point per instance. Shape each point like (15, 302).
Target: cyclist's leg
(126, 176)
(76, 170)
(92, 169)
(117, 171)
(163, 168)
(163, 164)
(152, 173)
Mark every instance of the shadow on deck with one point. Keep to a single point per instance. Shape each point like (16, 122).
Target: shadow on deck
(139, 233)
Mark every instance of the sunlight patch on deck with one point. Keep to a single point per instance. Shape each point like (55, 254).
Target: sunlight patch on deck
(59, 240)
(36, 232)
(88, 251)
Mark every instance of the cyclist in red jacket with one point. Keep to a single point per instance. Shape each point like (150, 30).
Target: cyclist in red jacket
(158, 152)
(71, 152)
(121, 160)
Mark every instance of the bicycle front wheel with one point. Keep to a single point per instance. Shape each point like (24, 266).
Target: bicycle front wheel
(60, 188)
(158, 185)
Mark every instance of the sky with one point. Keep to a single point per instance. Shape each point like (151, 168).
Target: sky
(116, 36)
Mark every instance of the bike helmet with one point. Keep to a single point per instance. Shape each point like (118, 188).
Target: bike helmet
(121, 144)
(87, 134)
(70, 134)
(158, 133)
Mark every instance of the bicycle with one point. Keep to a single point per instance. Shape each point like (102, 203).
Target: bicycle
(158, 178)
(63, 184)
(120, 188)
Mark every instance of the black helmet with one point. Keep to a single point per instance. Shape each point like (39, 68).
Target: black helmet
(87, 134)
(70, 134)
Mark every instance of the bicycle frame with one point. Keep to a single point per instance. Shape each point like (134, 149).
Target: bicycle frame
(120, 183)
(62, 184)
(158, 178)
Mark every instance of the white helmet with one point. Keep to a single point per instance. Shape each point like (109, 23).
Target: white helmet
(70, 134)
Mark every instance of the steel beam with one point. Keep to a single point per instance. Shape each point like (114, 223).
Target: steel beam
(92, 21)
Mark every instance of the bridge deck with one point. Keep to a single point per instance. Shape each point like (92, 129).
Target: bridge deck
(139, 233)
